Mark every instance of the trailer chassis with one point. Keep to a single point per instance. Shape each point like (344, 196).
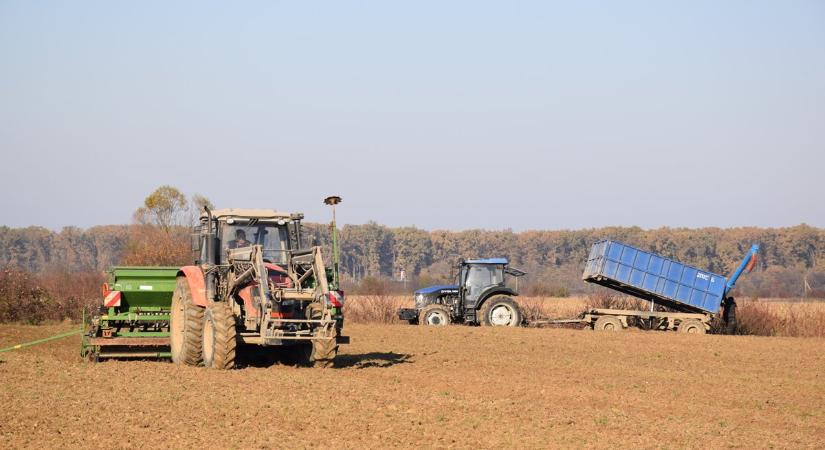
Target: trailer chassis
(619, 319)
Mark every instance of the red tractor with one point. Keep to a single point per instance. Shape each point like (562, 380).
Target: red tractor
(254, 283)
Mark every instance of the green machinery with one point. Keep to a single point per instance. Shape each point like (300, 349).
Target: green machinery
(134, 319)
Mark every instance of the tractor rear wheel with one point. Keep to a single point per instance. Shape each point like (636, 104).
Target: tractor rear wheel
(501, 311)
(219, 337)
(435, 315)
(608, 323)
(185, 326)
(692, 326)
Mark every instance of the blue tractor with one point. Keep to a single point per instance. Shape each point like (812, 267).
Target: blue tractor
(479, 297)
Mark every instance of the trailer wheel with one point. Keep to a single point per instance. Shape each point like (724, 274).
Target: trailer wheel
(219, 337)
(608, 323)
(499, 311)
(185, 326)
(692, 326)
(434, 315)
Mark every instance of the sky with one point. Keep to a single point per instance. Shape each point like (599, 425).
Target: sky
(442, 115)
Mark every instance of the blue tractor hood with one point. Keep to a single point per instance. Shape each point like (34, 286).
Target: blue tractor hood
(436, 288)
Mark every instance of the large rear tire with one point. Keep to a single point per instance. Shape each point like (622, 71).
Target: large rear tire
(219, 337)
(501, 311)
(434, 315)
(185, 326)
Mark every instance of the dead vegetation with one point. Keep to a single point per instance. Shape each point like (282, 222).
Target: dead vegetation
(31, 298)
(760, 317)
(605, 299)
(374, 308)
(781, 318)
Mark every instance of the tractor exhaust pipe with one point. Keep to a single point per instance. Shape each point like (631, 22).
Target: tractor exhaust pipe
(210, 254)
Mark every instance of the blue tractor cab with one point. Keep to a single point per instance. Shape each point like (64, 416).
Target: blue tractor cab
(480, 296)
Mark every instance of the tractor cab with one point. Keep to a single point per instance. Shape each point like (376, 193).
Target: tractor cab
(276, 232)
(477, 277)
(480, 285)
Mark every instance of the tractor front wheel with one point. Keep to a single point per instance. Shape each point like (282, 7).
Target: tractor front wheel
(219, 337)
(320, 353)
(501, 311)
(436, 315)
(185, 326)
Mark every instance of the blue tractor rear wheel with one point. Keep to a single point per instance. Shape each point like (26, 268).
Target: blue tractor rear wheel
(501, 311)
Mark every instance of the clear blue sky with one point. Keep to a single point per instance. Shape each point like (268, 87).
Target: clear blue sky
(522, 115)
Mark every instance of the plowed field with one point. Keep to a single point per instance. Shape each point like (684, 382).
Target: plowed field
(399, 385)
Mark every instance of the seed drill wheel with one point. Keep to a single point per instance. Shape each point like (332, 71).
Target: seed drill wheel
(501, 311)
(219, 337)
(692, 326)
(434, 315)
(608, 323)
(185, 326)
(90, 353)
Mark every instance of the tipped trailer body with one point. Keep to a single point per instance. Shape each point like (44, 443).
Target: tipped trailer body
(655, 278)
(693, 296)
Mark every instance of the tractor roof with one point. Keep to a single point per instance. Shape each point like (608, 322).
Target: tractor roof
(487, 261)
(253, 214)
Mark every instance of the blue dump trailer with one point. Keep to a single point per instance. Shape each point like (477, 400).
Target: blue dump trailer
(649, 276)
(692, 296)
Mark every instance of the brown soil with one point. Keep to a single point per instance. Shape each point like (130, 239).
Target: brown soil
(454, 386)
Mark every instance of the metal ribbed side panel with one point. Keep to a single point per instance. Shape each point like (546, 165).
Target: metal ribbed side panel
(654, 277)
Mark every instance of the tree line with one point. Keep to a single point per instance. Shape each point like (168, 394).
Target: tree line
(791, 261)
(51, 275)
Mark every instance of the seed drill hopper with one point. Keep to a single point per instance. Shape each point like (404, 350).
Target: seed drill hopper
(133, 321)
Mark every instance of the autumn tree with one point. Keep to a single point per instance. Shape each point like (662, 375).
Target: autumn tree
(159, 235)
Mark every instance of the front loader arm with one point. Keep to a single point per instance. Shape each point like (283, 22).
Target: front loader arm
(311, 257)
